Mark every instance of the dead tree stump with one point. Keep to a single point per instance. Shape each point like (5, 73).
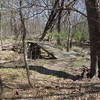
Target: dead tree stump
(34, 51)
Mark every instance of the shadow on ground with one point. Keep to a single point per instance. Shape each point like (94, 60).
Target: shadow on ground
(46, 71)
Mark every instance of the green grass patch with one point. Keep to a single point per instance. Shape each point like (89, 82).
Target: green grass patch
(51, 92)
(7, 57)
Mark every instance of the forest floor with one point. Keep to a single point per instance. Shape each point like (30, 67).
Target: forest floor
(52, 79)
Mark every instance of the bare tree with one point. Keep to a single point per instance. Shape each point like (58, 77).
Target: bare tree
(23, 41)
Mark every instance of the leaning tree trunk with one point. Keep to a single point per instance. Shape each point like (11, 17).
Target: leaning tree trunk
(93, 19)
(49, 23)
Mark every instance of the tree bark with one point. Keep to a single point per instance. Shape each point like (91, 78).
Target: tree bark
(92, 13)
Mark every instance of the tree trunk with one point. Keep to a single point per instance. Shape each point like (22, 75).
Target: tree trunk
(69, 34)
(49, 23)
(92, 13)
(23, 41)
(1, 30)
(59, 21)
